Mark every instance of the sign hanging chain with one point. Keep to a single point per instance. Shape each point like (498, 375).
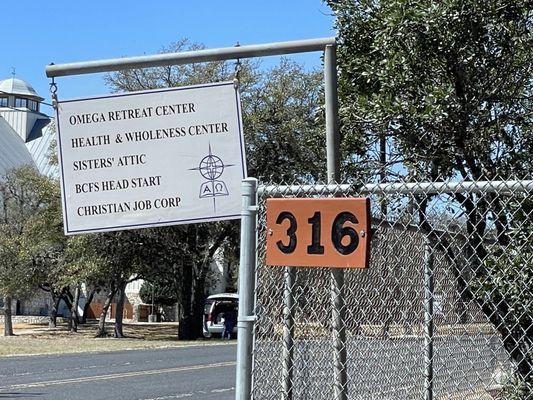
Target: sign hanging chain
(238, 69)
(53, 92)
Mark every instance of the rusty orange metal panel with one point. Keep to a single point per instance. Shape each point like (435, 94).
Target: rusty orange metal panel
(318, 232)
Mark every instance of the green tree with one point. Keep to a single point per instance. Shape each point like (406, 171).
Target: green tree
(60, 266)
(111, 261)
(282, 114)
(448, 83)
(29, 232)
(178, 258)
(283, 123)
(447, 87)
(160, 294)
(508, 282)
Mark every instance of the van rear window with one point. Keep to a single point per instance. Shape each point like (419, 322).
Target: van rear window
(207, 307)
(222, 307)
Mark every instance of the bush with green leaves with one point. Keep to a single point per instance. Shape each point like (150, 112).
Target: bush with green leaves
(161, 294)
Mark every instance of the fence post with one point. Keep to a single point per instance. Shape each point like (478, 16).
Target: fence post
(340, 387)
(243, 385)
(288, 332)
(428, 319)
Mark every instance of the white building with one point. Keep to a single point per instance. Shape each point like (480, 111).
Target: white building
(25, 133)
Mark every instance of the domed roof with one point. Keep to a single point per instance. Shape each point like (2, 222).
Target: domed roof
(19, 87)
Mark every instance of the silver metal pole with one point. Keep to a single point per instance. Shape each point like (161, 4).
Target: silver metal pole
(288, 333)
(332, 114)
(189, 57)
(246, 318)
(338, 312)
(404, 188)
(340, 386)
(428, 319)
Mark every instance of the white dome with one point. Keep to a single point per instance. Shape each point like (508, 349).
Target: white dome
(19, 87)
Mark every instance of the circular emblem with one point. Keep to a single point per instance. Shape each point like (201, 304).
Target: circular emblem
(211, 167)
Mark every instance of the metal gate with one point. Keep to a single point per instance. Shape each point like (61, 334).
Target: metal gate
(443, 311)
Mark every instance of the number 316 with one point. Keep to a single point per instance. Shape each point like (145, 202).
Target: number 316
(338, 233)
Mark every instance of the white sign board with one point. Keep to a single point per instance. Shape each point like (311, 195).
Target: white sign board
(144, 159)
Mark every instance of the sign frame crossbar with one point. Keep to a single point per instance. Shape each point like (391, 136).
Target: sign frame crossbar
(189, 57)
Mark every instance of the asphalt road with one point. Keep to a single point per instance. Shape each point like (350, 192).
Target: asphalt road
(196, 372)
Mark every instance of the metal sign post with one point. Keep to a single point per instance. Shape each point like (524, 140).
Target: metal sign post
(429, 323)
(289, 304)
(340, 387)
(246, 289)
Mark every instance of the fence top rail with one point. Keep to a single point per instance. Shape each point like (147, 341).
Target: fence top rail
(188, 57)
(514, 186)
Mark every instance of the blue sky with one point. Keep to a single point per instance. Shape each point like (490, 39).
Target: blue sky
(36, 33)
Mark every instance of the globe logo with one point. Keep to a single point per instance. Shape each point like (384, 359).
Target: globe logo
(211, 167)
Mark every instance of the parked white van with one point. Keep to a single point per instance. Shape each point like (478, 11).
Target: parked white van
(215, 307)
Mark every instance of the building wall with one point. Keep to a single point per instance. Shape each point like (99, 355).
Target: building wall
(20, 120)
(13, 152)
(38, 304)
(41, 152)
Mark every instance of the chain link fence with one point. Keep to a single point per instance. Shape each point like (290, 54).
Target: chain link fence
(443, 311)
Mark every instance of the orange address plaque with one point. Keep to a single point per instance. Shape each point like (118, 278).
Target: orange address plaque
(318, 232)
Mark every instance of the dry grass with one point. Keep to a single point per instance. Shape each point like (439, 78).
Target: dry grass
(38, 339)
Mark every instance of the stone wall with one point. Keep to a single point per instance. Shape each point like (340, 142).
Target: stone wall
(37, 304)
(26, 319)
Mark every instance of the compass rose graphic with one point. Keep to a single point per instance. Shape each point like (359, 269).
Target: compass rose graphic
(211, 167)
